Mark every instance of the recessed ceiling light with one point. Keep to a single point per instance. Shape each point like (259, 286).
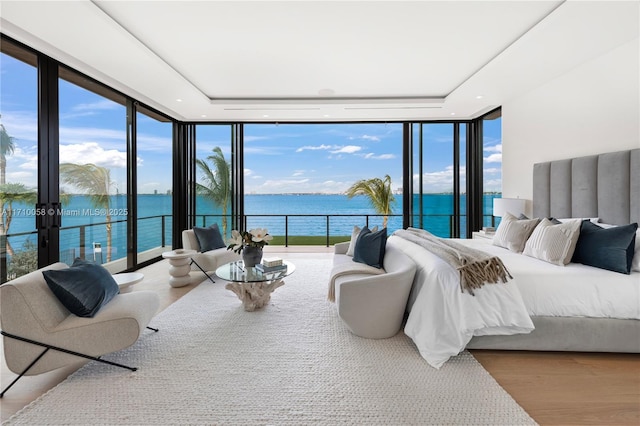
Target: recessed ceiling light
(326, 92)
(266, 115)
(204, 116)
(178, 100)
(479, 97)
(326, 115)
(453, 113)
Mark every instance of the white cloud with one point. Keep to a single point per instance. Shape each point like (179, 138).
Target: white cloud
(91, 152)
(492, 148)
(372, 156)
(248, 172)
(298, 173)
(366, 138)
(315, 148)
(493, 158)
(347, 149)
(491, 170)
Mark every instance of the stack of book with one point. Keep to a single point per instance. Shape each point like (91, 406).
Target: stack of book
(271, 264)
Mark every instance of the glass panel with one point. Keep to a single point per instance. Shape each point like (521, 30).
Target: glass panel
(492, 165)
(93, 173)
(213, 177)
(18, 162)
(463, 180)
(297, 177)
(154, 171)
(437, 176)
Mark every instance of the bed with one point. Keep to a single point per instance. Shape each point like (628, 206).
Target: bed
(569, 308)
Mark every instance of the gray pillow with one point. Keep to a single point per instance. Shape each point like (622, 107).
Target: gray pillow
(513, 233)
(370, 247)
(83, 289)
(209, 238)
(553, 243)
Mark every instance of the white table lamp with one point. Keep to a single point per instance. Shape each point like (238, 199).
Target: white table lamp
(515, 206)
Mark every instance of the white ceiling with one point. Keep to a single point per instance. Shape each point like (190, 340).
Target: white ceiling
(322, 60)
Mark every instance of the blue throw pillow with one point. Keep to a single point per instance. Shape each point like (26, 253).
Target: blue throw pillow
(83, 289)
(209, 238)
(370, 247)
(610, 248)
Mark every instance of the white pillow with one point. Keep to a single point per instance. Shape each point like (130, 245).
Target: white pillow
(595, 220)
(354, 237)
(513, 233)
(553, 243)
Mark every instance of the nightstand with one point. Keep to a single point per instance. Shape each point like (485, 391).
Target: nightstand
(483, 236)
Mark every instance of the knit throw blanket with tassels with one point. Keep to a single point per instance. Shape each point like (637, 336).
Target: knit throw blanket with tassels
(476, 267)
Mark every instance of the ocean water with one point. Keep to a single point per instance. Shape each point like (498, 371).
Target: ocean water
(308, 214)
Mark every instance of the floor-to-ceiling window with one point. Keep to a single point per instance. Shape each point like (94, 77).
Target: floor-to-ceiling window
(18, 161)
(439, 178)
(492, 164)
(93, 172)
(297, 177)
(69, 180)
(213, 184)
(154, 188)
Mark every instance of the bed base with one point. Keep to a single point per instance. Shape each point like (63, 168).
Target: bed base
(571, 334)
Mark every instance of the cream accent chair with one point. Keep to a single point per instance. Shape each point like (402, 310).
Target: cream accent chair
(210, 260)
(373, 306)
(41, 335)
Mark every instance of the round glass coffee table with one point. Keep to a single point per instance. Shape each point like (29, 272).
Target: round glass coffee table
(252, 286)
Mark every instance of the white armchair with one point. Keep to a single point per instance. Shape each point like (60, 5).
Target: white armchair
(209, 260)
(40, 334)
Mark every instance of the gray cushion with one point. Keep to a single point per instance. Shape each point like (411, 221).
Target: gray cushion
(606, 248)
(553, 243)
(209, 238)
(370, 247)
(513, 233)
(83, 288)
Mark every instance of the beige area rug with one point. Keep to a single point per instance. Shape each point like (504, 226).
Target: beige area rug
(291, 363)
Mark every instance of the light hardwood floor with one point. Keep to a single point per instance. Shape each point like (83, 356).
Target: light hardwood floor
(554, 388)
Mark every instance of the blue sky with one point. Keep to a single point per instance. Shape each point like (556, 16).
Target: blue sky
(285, 158)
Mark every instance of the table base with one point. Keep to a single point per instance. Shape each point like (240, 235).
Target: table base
(254, 295)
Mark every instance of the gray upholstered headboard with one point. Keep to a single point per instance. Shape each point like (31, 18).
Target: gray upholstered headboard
(605, 186)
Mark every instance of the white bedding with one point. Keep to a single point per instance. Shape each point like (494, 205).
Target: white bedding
(442, 319)
(574, 290)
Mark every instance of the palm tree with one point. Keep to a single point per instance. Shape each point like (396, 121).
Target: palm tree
(6, 148)
(379, 193)
(95, 181)
(13, 193)
(216, 184)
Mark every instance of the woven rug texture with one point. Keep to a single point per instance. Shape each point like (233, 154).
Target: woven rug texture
(291, 363)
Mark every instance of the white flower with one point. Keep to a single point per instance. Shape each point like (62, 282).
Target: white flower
(259, 234)
(236, 239)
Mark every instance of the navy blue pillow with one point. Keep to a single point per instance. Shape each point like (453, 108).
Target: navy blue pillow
(610, 248)
(370, 247)
(209, 238)
(83, 289)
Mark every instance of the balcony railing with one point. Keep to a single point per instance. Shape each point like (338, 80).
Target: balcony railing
(288, 229)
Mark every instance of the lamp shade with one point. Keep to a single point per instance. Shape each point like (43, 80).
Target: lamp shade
(515, 206)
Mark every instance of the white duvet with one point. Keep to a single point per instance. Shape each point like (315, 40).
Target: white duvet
(443, 319)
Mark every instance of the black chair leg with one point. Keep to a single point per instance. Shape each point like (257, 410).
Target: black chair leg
(203, 271)
(24, 371)
(67, 351)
